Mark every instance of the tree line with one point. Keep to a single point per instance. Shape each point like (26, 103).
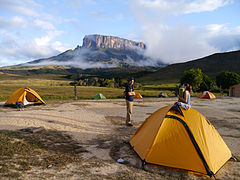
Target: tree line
(195, 77)
(201, 82)
(102, 82)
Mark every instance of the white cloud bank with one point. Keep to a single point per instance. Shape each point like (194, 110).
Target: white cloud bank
(29, 35)
(16, 46)
(176, 7)
(182, 42)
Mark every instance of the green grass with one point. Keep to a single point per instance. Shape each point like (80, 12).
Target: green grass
(60, 89)
(154, 90)
(51, 90)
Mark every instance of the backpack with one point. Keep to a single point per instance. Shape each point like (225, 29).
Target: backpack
(19, 105)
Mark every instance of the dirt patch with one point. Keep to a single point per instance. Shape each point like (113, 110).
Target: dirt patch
(21, 151)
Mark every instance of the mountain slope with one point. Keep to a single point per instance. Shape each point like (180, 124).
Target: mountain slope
(101, 51)
(211, 65)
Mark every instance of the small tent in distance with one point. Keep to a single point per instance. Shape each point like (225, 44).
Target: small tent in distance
(163, 95)
(99, 96)
(137, 95)
(26, 96)
(178, 138)
(207, 95)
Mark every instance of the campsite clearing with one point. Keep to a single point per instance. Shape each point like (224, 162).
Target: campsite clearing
(85, 139)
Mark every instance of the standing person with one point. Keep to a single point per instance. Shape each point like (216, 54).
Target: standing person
(129, 91)
(186, 95)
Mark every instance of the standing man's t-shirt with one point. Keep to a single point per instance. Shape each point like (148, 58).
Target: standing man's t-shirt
(129, 88)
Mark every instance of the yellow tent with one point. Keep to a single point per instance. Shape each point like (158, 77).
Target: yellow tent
(26, 96)
(137, 95)
(180, 138)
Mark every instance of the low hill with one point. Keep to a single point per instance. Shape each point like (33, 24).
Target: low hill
(211, 65)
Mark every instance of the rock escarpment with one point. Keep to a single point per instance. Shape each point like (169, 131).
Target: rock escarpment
(111, 42)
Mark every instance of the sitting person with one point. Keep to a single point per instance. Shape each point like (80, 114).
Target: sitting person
(185, 100)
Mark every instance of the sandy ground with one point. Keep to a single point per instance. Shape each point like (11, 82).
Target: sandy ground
(98, 125)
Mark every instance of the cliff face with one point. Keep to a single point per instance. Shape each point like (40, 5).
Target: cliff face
(100, 41)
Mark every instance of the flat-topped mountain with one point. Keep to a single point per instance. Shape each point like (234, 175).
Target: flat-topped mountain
(110, 42)
(101, 51)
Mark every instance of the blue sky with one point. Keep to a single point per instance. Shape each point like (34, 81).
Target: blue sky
(173, 30)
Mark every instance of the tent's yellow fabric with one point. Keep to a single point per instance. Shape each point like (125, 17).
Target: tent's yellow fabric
(24, 94)
(137, 95)
(187, 142)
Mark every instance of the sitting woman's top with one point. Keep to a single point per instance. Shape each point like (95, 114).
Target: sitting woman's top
(188, 98)
(187, 95)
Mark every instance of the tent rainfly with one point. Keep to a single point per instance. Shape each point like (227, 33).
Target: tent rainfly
(99, 96)
(138, 95)
(163, 94)
(207, 95)
(26, 96)
(182, 139)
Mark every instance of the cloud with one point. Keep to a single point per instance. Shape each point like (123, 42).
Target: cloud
(24, 7)
(176, 7)
(43, 24)
(161, 10)
(175, 44)
(27, 38)
(78, 4)
(184, 42)
(99, 15)
(79, 60)
(204, 5)
(222, 37)
(47, 38)
(14, 50)
(15, 22)
(181, 42)
(78, 63)
(61, 47)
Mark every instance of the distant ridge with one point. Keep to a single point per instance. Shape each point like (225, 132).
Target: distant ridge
(211, 65)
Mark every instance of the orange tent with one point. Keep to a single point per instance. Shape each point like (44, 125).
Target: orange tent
(178, 138)
(137, 95)
(207, 95)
